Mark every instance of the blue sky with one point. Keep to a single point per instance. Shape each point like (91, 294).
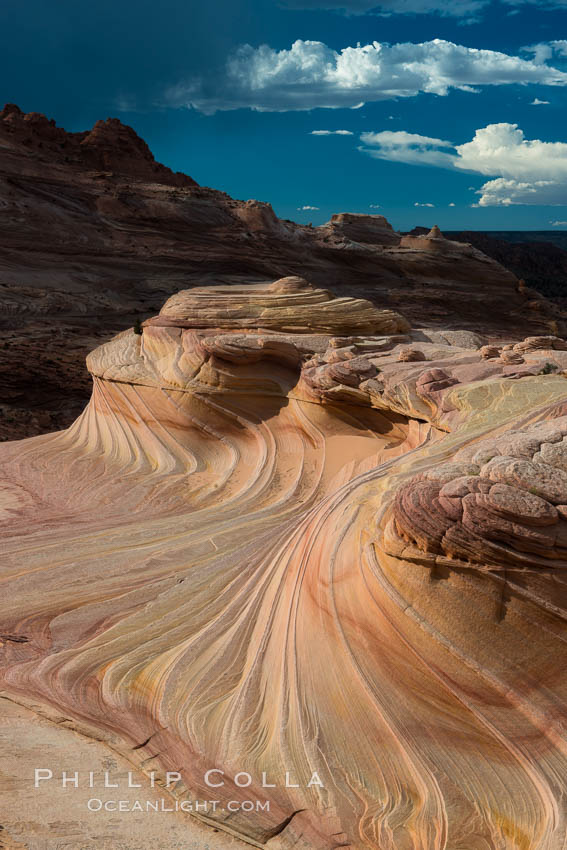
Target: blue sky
(453, 105)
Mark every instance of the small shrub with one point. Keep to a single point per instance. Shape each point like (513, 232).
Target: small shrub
(548, 369)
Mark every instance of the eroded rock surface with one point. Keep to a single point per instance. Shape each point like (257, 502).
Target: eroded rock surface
(94, 234)
(294, 549)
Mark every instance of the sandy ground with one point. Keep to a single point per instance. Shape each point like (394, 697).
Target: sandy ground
(50, 817)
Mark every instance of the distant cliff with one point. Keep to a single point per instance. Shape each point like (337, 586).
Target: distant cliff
(94, 233)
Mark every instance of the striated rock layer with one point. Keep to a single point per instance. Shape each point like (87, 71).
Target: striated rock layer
(94, 234)
(329, 544)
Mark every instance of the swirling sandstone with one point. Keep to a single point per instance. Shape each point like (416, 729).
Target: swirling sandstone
(274, 542)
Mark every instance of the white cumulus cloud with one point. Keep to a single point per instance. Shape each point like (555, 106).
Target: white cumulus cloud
(525, 171)
(310, 74)
(505, 192)
(307, 207)
(545, 50)
(502, 149)
(331, 133)
(423, 205)
(558, 223)
(399, 146)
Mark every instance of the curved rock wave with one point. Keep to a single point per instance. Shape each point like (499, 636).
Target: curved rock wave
(303, 558)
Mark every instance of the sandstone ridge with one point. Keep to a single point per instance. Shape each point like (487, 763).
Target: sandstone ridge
(94, 234)
(110, 146)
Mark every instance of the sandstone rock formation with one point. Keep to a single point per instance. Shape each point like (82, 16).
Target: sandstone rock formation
(94, 234)
(290, 304)
(285, 548)
(410, 355)
(110, 146)
(365, 229)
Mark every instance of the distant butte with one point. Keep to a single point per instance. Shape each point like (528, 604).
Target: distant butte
(94, 234)
(110, 146)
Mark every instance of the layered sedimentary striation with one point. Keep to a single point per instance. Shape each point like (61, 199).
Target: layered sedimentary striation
(94, 234)
(290, 304)
(299, 536)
